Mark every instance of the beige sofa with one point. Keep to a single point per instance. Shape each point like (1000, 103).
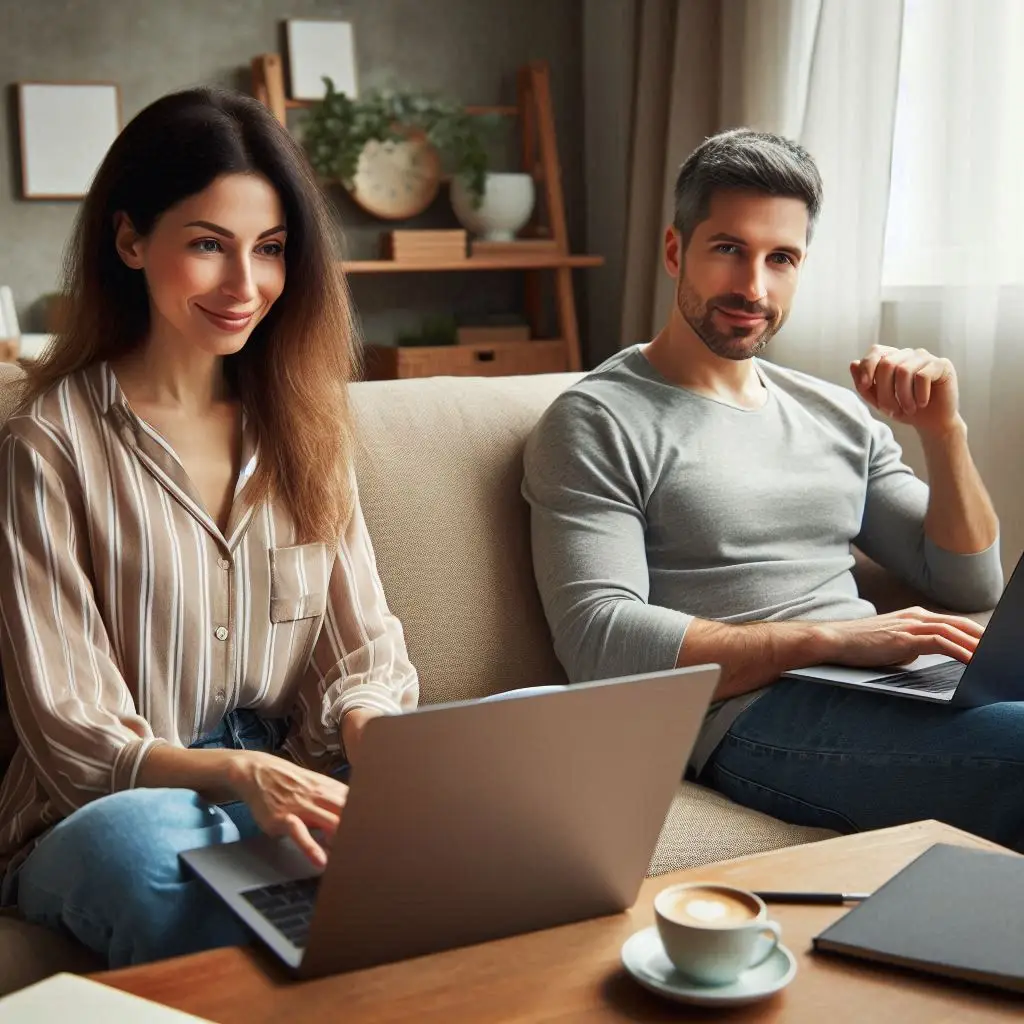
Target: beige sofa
(439, 472)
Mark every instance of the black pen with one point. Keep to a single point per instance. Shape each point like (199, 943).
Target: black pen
(834, 899)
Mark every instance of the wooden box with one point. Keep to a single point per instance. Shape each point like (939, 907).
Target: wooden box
(424, 246)
(502, 359)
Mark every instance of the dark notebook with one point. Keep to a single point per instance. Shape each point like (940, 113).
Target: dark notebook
(952, 911)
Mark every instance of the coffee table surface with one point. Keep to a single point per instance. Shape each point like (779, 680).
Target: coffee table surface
(573, 973)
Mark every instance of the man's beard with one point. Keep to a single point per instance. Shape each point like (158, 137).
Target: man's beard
(730, 342)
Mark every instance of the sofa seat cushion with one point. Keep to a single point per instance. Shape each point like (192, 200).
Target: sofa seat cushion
(703, 827)
(29, 953)
(440, 467)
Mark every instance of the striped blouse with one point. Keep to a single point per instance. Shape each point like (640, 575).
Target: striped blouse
(129, 620)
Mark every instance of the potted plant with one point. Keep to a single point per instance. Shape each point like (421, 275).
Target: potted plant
(338, 129)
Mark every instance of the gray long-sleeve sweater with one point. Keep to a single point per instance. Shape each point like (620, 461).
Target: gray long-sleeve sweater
(652, 505)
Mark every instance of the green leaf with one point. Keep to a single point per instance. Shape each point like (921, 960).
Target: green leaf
(337, 128)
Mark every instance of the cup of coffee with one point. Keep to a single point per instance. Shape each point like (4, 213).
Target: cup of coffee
(713, 933)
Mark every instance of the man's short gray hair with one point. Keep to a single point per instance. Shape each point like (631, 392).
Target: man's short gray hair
(745, 159)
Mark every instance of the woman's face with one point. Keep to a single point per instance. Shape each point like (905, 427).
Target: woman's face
(214, 263)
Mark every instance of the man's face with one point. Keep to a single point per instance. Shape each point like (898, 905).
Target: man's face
(738, 274)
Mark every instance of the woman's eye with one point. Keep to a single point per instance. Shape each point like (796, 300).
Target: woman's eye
(206, 245)
(271, 249)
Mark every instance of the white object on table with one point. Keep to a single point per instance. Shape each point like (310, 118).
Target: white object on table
(69, 997)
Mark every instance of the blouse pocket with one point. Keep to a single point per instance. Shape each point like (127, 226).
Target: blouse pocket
(298, 582)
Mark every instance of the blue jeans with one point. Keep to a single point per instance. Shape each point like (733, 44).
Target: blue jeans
(850, 760)
(109, 873)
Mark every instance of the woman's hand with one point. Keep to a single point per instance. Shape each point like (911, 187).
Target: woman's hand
(287, 800)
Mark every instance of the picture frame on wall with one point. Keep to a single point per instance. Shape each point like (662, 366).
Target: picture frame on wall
(317, 49)
(65, 130)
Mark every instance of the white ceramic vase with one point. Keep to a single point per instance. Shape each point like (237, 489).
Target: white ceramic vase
(506, 207)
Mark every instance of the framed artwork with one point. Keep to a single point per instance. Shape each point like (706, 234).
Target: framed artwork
(65, 129)
(316, 49)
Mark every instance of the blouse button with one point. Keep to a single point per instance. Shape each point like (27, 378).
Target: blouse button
(221, 633)
(224, 564)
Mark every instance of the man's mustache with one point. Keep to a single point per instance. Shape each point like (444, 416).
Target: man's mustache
(740, 305)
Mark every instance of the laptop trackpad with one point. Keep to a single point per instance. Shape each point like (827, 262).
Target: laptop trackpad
(253, 862)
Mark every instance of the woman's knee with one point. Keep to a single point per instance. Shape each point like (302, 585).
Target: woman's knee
(128, 836)
(110, 875)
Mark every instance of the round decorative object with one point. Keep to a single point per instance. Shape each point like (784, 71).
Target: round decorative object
(396, 179)
(506, 207)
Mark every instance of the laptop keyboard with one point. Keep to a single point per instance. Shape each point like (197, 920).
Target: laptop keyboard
(936, 679)
(288, 906)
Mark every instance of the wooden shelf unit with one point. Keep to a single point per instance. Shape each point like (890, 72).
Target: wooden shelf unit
(535, 114)
(525, 262)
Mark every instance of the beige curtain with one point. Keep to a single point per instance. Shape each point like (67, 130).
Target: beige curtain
(820, 71)
(651, 95)
(825, 72)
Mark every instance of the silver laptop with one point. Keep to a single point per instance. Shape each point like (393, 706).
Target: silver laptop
(477, 820)
(993, 675)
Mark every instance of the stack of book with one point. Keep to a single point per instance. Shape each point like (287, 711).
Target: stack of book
(425, 246)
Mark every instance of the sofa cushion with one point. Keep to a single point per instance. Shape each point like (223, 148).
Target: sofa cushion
(10, 376)
(440, 468)
(703, 827)
(29, 953)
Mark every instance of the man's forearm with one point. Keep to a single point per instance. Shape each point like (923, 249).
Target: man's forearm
(960, 515)
(752, 655)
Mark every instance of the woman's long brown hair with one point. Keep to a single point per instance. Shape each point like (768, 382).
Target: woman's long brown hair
(292, 374)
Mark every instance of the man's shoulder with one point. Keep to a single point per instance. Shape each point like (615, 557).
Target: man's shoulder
(619, 388)
(814, 393)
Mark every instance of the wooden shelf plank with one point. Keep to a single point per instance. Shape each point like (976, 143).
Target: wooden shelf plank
(472, 263)
(501, 111)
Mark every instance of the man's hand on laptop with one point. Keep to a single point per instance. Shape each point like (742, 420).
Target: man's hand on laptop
(288, 800)
(911, 385)
(755, 654)
(898, 637)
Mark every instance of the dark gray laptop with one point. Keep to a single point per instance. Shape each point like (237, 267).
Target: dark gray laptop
(477, 820)
(995, 673)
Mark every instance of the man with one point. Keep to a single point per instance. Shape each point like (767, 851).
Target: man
(692, 503)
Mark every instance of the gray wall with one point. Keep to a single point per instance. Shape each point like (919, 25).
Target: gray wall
(468, 49)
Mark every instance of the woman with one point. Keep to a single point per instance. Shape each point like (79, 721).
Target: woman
(194, 632)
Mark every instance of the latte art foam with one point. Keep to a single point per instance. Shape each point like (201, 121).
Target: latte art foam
(711, 908)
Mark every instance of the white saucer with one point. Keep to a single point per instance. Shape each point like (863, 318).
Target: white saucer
(644, 957)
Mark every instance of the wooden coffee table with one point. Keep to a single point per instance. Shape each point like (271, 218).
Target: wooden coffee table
(574, 973)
